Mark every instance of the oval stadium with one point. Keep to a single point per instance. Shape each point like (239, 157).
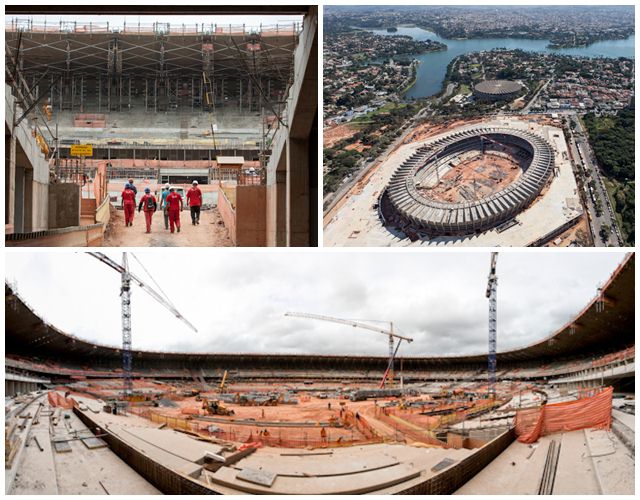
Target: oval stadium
(471, 180)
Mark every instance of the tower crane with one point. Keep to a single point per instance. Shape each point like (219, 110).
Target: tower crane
(492, 295)
(390, 332)
(125, 296)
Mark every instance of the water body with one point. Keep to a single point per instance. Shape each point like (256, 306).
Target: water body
(433, 65)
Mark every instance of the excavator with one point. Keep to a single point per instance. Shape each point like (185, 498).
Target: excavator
(215, 408)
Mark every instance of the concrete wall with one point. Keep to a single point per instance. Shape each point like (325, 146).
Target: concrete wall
(78, 236)
(292, 170)
(251, 204)
(26, 204)
(64, 205)
(228, 214)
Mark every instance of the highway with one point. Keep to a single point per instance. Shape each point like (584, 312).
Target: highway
(588, 162)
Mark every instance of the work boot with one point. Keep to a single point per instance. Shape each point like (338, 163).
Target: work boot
(178, 229)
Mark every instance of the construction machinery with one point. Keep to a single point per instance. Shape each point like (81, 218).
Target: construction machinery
(388, 374)
(492, 295)
(216, 408)
(125, 295)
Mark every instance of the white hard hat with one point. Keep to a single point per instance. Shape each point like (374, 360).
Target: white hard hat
(167, 186)
(194, 182)
(172, 188)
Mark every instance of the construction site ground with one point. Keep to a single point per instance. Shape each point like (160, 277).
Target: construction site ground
(476, 178)
(355, 221)
(379, 468)
(78, 471)
(211, 231)
(591, 462)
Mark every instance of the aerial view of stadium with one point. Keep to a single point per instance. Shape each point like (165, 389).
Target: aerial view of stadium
(499, 373)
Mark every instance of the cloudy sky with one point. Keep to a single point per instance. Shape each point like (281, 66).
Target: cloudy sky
(238, 300)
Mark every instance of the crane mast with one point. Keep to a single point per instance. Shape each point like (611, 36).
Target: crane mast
(127, 277)
(492, 295)
(125, 298)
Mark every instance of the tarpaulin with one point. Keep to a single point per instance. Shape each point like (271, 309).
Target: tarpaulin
(588, 412)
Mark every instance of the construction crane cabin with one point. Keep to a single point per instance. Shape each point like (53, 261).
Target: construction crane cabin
(388, 374)
(127, 277)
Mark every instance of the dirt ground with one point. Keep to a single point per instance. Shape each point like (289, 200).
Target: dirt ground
(579, 233)
(475, 179)
(333, 135)
(209, 233)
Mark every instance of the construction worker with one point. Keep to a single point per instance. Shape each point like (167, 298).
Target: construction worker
(174, 200)
(194, 201)
(323, 435)
(128, 204)
(149, 204)
(164, 206)
(135, 189)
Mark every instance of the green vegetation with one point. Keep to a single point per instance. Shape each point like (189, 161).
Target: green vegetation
(613, 142)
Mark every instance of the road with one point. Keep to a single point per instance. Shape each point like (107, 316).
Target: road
(588, 162)
(525, 110)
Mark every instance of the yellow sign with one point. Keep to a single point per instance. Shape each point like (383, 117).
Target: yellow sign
(81, 150)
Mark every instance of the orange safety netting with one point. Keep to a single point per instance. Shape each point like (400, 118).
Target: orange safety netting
(593, 411)
(58, 400)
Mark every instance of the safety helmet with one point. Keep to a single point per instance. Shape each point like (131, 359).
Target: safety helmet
(167, 185)
(147, 190)
(195, 183)
(171, 188)
(127, 186)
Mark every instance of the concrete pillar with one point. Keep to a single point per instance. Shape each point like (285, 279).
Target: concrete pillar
(28, 200)
(11, 180)
(297, 192)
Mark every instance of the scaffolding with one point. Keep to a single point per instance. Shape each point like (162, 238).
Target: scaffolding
(158, 67)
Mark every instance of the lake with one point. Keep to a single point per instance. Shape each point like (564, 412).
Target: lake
(433, 65)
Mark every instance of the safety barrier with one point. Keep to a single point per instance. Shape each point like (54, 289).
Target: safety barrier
(57, 400)
(280, 437)
(592, 410)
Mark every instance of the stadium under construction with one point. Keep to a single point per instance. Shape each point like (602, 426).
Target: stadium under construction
(559, 418)
(90, 105)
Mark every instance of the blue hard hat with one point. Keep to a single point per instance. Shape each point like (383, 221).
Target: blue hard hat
(147, 190)
(127, 186)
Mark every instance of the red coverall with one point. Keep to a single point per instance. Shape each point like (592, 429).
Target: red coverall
(129, 205)
(148, 199)
(174, 200)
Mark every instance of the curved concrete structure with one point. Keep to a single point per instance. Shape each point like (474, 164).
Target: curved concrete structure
(437, 157)
(497, 90)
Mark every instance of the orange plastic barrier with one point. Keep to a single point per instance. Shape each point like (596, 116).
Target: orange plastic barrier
(588, 412)
(58, 400)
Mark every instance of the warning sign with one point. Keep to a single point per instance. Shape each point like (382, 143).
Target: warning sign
(81, 150)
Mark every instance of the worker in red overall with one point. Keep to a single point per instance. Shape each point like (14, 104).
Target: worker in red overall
(149, 204)
(194, 202)
(174, 200)
(128, 204)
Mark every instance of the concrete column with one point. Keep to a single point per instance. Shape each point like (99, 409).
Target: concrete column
(11, 181)
(297, 192)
